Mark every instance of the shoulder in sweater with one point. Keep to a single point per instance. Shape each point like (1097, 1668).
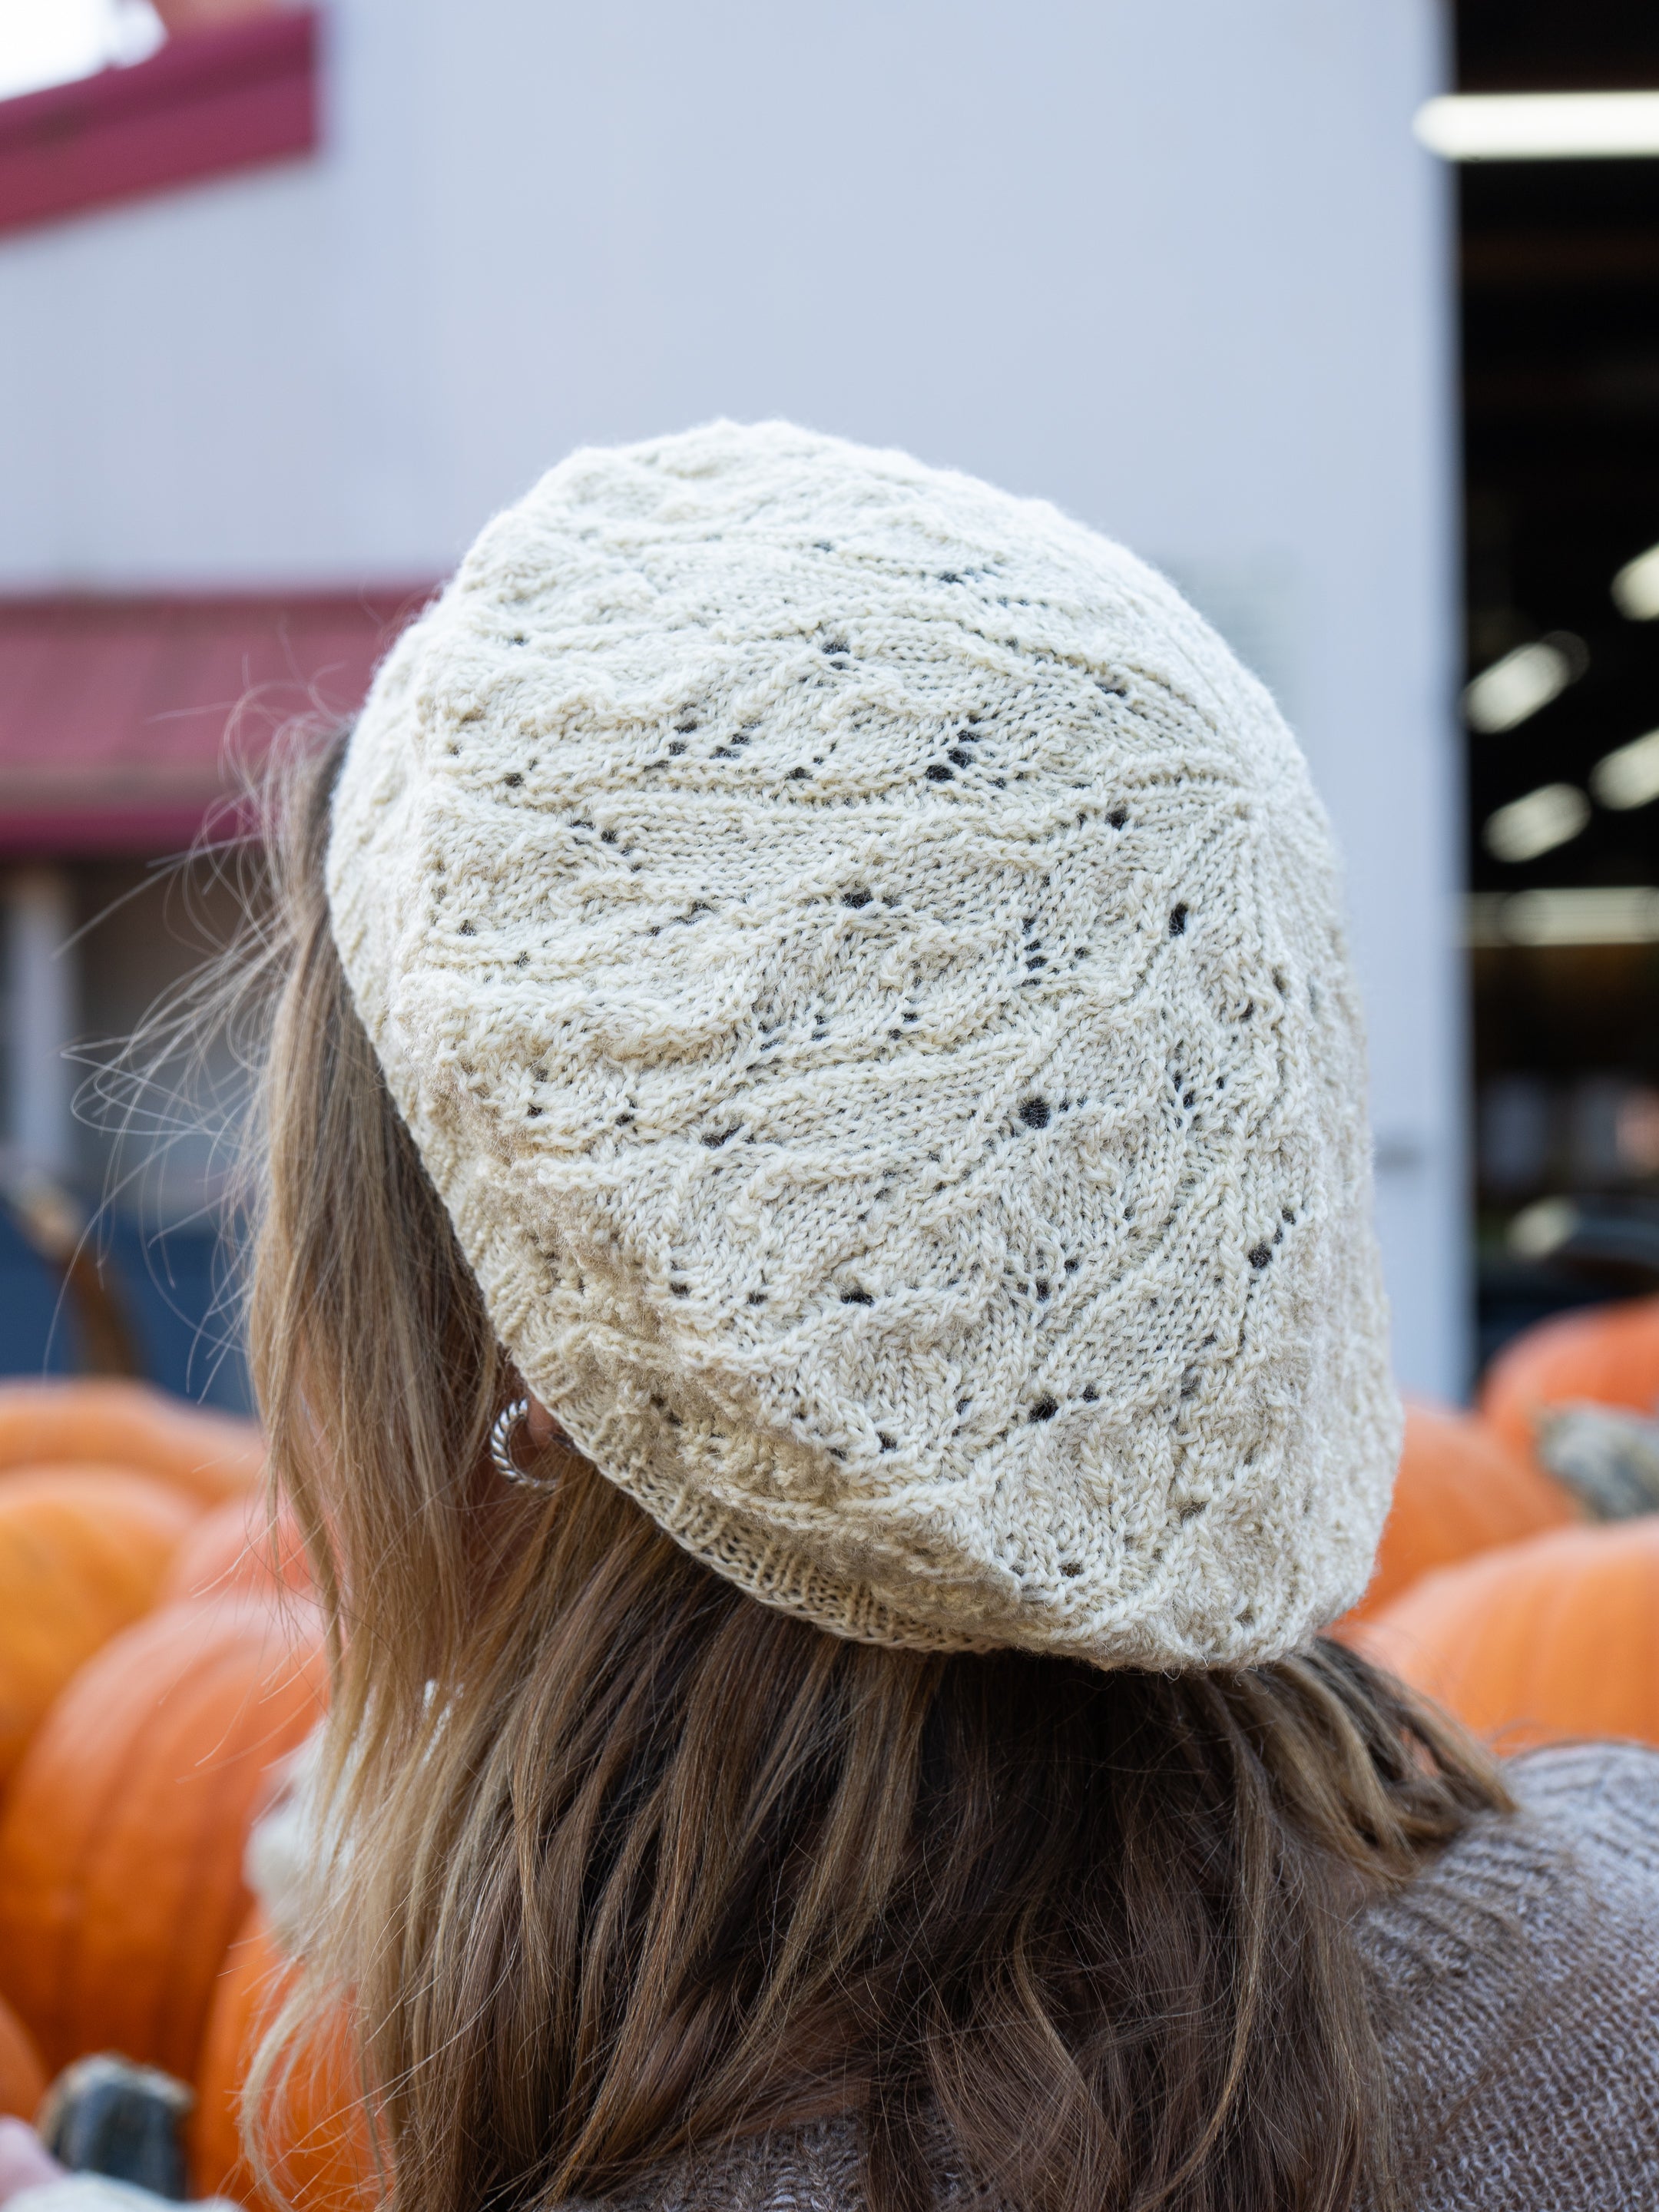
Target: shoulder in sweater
(1518, 1985)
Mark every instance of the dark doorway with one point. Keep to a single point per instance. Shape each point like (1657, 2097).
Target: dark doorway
(1560, 281)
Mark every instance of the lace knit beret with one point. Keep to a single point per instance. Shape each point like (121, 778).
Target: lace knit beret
(861, 962)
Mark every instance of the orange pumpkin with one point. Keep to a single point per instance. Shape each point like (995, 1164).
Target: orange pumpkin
(235, 1549)
(23, 2077)
(122, 1839)
(1461, 1488)
(313, 2120)
(1556, 1637)
(1609, 1353)
(102, 1418)
(83, 1554)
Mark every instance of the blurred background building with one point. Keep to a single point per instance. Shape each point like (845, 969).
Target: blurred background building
(295, 298)
(1560, 286)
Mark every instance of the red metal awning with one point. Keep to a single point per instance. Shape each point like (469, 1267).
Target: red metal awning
(122, 718)
(214, 100)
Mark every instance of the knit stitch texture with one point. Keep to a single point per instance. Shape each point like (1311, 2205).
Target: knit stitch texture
(1518, 1990)
(861, 962)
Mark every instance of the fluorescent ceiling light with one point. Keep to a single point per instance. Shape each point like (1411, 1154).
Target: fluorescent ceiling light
(1514, 689)
(1636, 587)
(1526, 828)
(1540, 127)
(1629, 777)
(1620, 915)
(1542, 1229)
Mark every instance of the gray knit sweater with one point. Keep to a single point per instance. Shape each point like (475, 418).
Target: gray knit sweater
(1519, 1982)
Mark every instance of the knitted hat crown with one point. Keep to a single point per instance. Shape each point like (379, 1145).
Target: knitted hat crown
(860, 962)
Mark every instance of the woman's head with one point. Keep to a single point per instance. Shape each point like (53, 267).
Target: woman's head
(624, 1861)
(860, 962)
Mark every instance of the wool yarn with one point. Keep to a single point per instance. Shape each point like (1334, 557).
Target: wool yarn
(861, 962)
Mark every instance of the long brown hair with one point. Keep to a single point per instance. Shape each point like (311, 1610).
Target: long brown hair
(624, 1865)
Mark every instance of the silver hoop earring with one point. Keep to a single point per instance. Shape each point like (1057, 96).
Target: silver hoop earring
(507, 1424)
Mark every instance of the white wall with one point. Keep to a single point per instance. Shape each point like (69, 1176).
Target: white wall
(1176, 263)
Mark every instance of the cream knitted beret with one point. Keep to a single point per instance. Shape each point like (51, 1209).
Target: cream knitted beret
(861, 962)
